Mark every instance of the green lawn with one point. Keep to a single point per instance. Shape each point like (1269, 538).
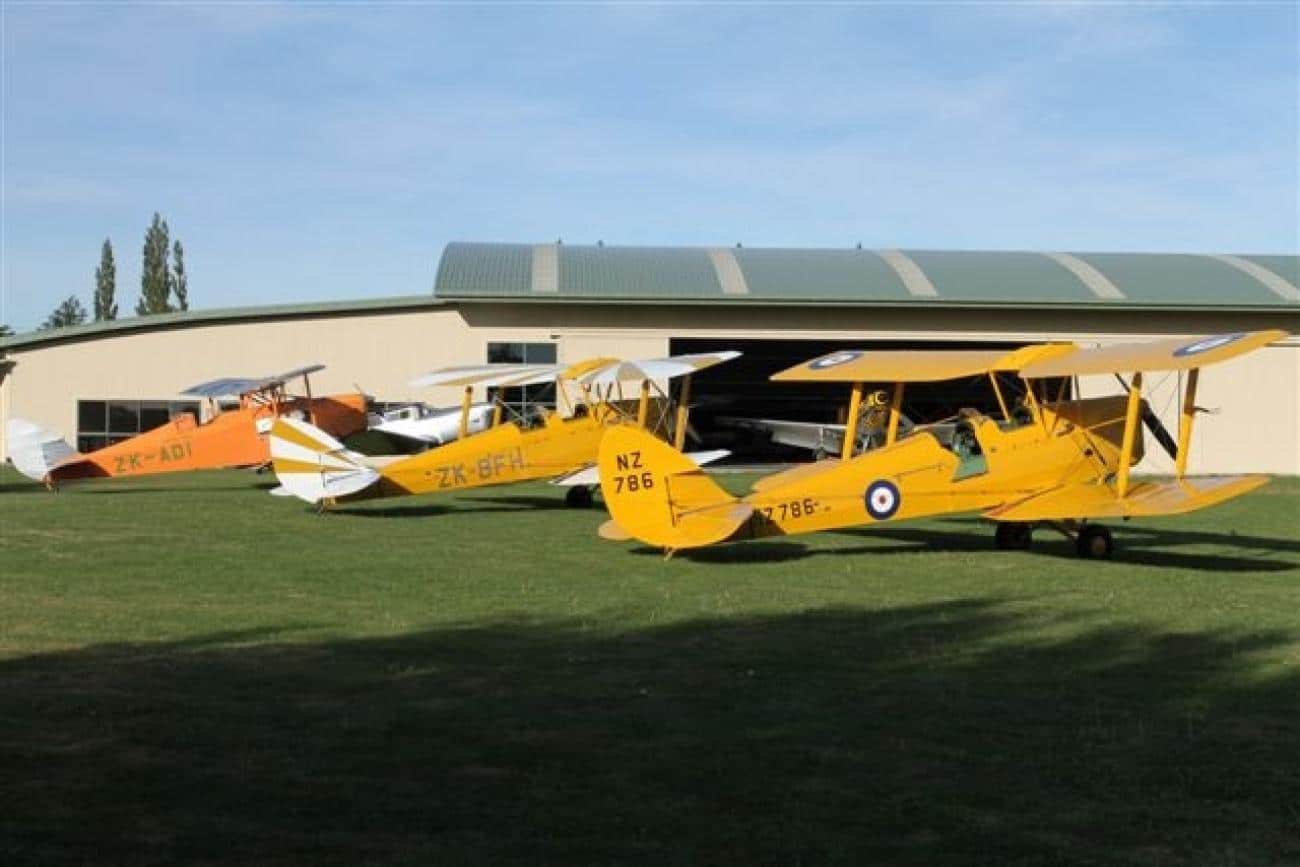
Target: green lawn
(192, 671)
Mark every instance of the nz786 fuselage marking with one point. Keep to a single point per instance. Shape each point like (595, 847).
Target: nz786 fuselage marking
(628, 479)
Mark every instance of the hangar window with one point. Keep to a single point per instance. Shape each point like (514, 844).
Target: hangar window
(526, 400)
(104, 422)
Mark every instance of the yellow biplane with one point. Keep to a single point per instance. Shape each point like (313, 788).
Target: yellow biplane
(315, 467)
(1047, 461)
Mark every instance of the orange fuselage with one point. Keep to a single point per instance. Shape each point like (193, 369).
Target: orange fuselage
(230, 439)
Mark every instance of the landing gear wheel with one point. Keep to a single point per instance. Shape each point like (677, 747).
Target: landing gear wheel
(578, 497)
(1094, 542)
(1014, 536)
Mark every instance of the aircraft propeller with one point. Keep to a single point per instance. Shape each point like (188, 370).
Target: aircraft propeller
(1159, 431)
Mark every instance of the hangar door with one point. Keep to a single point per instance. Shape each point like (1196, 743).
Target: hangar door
(741, 389)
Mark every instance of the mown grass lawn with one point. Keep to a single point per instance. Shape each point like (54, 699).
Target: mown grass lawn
(192, 671)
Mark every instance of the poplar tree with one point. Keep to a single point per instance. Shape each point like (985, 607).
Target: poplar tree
(155, 276)
(69, 312)
(105, 284)
(180, 282)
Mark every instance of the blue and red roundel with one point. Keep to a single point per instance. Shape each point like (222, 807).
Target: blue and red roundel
(883, 499)
(835, 359)
(1206, 344)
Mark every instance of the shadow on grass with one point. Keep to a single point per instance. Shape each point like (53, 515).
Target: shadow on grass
(115, 488)
(461, 505)
(1143, 546)
(950, 733)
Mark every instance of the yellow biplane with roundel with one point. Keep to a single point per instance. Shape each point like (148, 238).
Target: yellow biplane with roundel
(1048, 460)
(315, 467)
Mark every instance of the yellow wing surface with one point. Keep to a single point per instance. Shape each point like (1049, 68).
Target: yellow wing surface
(1144, 499)
(860, 365)
(658, 495)
(1178, 353)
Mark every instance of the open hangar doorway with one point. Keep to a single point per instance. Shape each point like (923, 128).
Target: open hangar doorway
(741, 389)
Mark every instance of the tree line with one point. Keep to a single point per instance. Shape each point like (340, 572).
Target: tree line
(164, 283)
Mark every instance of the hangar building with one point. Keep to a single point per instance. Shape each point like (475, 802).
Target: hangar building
(101, 382)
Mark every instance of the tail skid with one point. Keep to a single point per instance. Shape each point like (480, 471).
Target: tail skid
(34, 450)
(659, 495)
(313, 466)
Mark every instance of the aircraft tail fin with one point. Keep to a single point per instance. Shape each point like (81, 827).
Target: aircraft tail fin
(659, 495)
(312, 465)
(34, 450)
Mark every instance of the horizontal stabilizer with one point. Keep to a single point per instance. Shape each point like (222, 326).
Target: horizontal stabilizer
(591, 475)
(34, 450)
(612, 532)
(1145, 499)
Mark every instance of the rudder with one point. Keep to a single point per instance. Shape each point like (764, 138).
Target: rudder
(312, 465)
(660, 496)
(34, 450)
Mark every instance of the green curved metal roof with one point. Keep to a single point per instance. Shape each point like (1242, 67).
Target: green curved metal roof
(567, 272)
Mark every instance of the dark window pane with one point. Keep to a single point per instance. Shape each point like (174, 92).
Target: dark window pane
(505, 353)
(119, 438)
(539, 353)
(153, 413)
(193, 407)
(91, 416)
(90, 444)
(124, 416)
(525, 400)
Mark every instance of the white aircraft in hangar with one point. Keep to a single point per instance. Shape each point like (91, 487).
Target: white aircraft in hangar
(431, 425)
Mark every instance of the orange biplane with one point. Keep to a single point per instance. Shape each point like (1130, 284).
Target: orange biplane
(234, 437)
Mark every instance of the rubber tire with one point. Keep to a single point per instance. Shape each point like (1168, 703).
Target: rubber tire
(1094, 542)
(578, 497)
(1014, 536)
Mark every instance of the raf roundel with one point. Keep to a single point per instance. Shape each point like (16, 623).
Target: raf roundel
(883, 499)
(1206, 344)
(835, 359)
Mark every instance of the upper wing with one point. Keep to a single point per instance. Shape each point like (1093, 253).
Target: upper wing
(1179, 353)
(858, 365)
(654, 368)
(238, 386)
(227, 387)
(1144, 499)
(492, 375)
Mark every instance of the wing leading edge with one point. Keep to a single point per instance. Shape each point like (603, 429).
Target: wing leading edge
(1144, 499)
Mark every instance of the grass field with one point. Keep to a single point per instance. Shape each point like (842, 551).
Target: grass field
(192, 671)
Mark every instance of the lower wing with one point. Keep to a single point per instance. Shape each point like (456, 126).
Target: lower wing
(1144, 499)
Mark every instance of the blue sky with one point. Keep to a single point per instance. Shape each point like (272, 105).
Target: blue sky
(312, 152)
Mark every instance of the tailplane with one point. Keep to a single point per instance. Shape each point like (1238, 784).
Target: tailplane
(659, 495)
(34, 450)
(312, 465)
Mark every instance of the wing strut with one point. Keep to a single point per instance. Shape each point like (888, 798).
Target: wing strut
(683, 413)
(643, 405)
(997, 392)
(311, 404)
(895, 412)
(1130, 434)
(464, 410)
(1185, 422)
(851, 426)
